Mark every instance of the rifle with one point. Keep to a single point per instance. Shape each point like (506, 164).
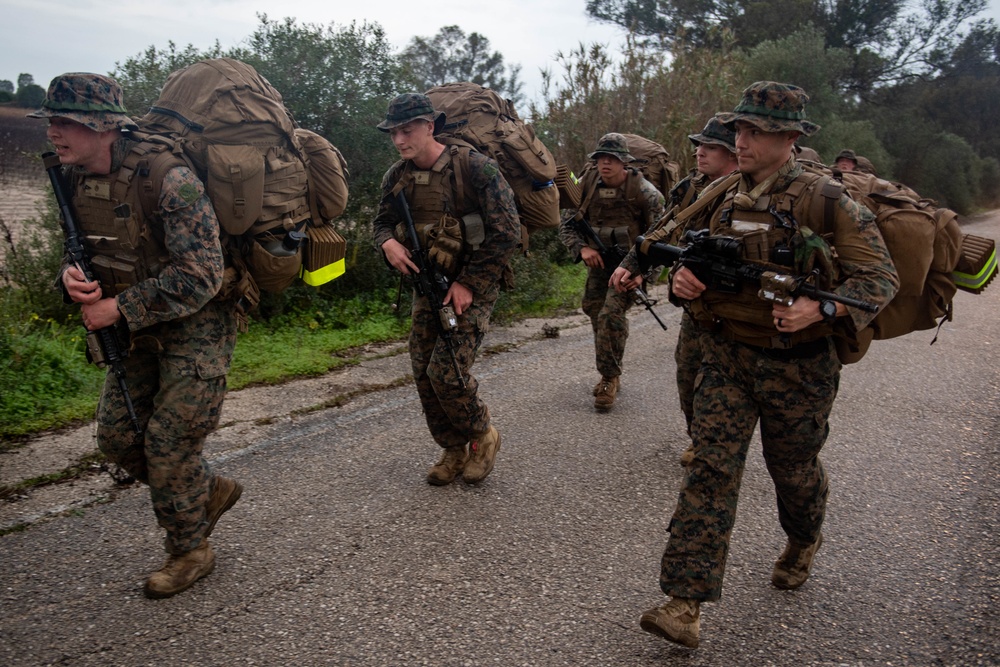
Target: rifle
(717, 261)
(612, 257)
(103, 344)
(433, 285)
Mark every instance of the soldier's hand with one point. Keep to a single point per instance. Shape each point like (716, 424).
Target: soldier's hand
(459, 296)
(101, 314)
(79, 288)
(398, 257)
(591, 258)
(685, 285)
(623, 281)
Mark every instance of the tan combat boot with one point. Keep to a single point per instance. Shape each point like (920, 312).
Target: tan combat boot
(225, 493)
(606, 391)
(180, 572)
(483, 452)
(450, 466)
(677, 621)
(792, 569)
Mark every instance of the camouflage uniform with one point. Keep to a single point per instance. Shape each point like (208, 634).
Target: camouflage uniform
(640, 204)
(453, 412)
(748, 374)
(180, 338)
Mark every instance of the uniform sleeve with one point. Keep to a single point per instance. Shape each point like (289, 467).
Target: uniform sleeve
(866, 267)
(192, 271)
(384, 225)
(572, 239)
(652, 205)
(483, 271)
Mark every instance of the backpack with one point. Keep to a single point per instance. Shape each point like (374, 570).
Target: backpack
(933, 258)
(274, 186)
(654, 162)
(481, 118)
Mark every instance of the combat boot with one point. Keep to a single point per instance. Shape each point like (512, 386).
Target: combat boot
(450, 466)
(677, 621)
(483, 452)
(792, 569)
(606, 391)
(225, 493)
(180, 572)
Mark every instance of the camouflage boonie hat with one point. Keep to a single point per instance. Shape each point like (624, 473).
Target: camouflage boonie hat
(93, 100)
(615, 145)
(772, 107)
(847, 154)
(411, 106)
(715, 133)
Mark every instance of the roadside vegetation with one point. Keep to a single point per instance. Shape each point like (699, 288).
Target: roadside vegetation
(914, 90)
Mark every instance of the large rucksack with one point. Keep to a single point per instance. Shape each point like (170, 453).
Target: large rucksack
(933, 258)
(274, 186)
(480, 117)
(654, 162)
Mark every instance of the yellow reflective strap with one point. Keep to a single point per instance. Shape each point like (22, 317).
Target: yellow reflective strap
(323, 274)
(976, 282)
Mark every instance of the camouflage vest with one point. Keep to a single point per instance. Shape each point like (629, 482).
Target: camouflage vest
(767, 230)
(616, 214)
(439, 199)
(121, 233)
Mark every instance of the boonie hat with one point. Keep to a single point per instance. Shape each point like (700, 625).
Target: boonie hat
(411, 106)
(615, 145)
(93, 100)
(772, 107)
(716, 133)
(847, 154)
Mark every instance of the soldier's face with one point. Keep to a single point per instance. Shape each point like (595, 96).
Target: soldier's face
(761, 153)
(413, 139)
(611, 169)
(714, 160)
(78, 145)
(844, 164)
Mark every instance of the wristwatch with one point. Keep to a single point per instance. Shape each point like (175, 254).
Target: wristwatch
(828, 309)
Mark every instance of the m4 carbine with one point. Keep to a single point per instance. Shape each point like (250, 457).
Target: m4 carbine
(104, 346)
(433, 285)
(717, 261)
(612, 257)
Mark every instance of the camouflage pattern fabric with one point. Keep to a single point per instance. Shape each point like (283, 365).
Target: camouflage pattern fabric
(606, 308)
(454, 413)
(792, 399)
(182, 343)
(773, 107)
(687, 355)
(93, 100)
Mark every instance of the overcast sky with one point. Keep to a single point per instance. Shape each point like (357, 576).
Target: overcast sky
(45, 38)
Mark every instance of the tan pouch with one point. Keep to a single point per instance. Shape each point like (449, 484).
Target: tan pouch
(235, 185)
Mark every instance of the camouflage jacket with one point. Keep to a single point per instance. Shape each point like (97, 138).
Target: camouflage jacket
(486, 265)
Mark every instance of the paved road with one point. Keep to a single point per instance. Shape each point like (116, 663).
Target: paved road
(341, 554)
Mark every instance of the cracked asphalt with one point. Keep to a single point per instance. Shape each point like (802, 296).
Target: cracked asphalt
(339, 553)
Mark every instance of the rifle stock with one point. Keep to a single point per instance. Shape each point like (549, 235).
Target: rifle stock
(106, 350)
(717, 262)
(612, 257)
(430, 283)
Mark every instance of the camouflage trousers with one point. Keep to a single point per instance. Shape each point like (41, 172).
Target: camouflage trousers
(607, 310)
(453, 412)
(687, 356)
(736, 387)
(177, 394)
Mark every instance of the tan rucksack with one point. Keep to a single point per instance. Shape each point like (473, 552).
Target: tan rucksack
(489, 123)
(274, 186)
(933, 258)
(654, 162)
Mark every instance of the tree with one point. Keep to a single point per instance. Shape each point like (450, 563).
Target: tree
(451, 55)
(6, 86)
(25, 80)
(141, 76)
